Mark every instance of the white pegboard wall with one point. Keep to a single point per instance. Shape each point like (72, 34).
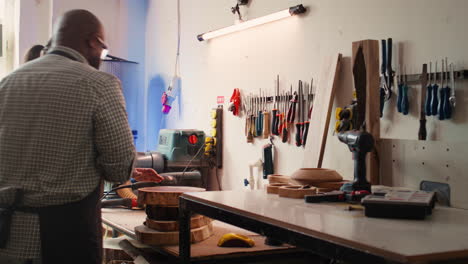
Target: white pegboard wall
(405, 163)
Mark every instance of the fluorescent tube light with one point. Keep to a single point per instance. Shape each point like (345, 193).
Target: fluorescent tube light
(295, 10)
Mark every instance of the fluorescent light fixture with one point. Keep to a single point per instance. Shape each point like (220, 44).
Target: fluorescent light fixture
(295, 10)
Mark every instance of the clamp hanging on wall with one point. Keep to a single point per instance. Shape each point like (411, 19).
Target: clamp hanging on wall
(294, 10)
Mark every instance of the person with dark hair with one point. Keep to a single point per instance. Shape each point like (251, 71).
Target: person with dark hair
(33, 53)
(63, 130)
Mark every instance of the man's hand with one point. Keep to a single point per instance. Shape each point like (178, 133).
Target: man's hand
(146, 174)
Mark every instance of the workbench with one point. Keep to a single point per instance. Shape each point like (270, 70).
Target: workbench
(332, 230)
(124, 221)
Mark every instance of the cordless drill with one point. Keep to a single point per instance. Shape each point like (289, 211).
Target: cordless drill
(359, 143)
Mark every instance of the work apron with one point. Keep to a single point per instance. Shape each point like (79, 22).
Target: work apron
(69, 233)
(72, 233)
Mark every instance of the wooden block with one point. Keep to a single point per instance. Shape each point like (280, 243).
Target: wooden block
(274, 187)
(370, 49)
(321, 113)
(296, 191)
(330, 185)
(166, 226)
(164, 195)
(278, 178)
(152, 237)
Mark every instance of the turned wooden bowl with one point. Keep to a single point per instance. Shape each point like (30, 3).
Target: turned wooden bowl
(278, 178)
(312, 176)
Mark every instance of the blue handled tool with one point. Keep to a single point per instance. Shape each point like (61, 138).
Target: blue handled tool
(447, 107)
(405, 102)
(429, 92)
(400, 92)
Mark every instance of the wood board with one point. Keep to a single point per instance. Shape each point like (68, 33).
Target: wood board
(370, 50)
(321, 113)
(164, 195)
(153, 237)
(126, 220)
(166, 226)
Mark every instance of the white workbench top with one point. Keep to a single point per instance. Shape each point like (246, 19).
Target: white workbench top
(443, 235)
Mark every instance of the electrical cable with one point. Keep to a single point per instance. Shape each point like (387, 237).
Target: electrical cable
(177, 67)
(194, 156)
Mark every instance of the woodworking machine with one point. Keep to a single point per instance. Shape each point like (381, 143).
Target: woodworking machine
(180, 154)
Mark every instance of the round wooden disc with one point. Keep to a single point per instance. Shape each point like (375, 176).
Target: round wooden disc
(166, 226)
(162, 213)
(295, 191)
(164, 195)
(312, 176)
(278, 178)
(155, 238)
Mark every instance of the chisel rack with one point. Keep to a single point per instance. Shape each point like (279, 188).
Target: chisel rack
(416, 78)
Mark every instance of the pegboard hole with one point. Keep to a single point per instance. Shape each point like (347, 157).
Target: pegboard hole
(394, 146)
(446, 165)
(423, 163)
(448, 149)
(423, 147)
(393, 161)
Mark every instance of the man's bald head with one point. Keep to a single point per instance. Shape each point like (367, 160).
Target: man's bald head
(82, 31)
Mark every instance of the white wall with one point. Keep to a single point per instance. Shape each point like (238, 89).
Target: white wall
(294, 48)
(35, 24)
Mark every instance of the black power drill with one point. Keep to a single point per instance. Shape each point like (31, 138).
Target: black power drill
(359, 143)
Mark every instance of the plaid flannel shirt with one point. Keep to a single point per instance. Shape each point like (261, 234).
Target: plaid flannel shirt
(63, 128)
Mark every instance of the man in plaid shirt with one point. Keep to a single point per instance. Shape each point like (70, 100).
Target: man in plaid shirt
(63, 130)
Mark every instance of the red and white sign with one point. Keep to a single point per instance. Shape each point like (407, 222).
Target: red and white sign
(220, 100)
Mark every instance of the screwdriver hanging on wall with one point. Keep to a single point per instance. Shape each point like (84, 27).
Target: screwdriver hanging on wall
(274, 124)
(405, 102)
(429, 92)
(442, 94)
(259, 125)
(447, 107)
(299, 115)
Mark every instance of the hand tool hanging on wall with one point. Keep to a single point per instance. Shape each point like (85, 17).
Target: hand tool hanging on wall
(387, 74)
(266, 119)
(299, 115)
(291, 117)
(383, 78)
(440, 108)
(390, 72)
(404, 104)
(306, 109)
(285, 128)
(248, 120)
(235, 102)
(422, 133)
(268, 160)
(447, 107)
(429, 92)
(435, 95)
(452, 98)
(400, 89)
(259, 125)
(275, 116)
